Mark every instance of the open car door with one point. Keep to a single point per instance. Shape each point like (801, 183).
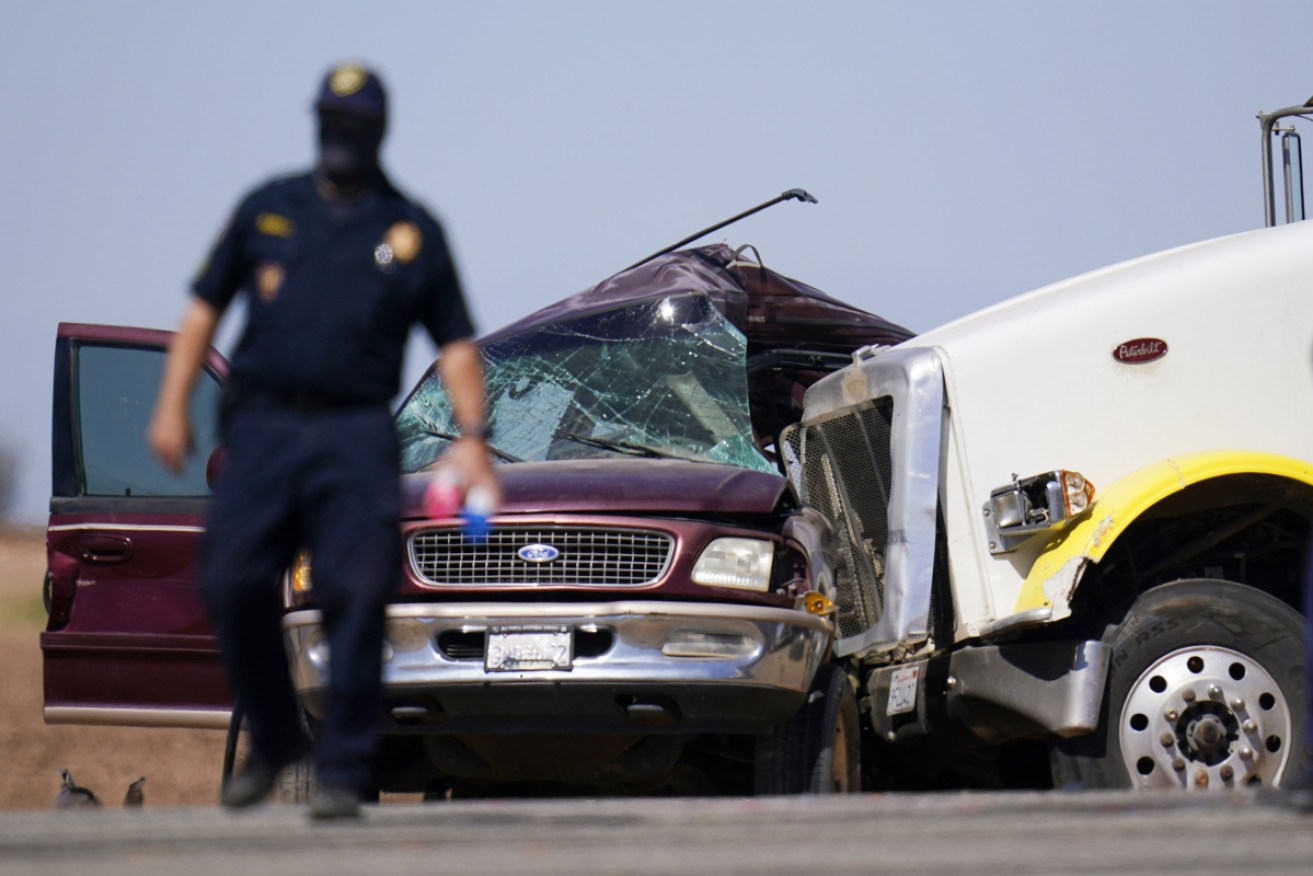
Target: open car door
(127, 641)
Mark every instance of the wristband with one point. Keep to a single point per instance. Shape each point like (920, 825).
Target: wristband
(478, 430)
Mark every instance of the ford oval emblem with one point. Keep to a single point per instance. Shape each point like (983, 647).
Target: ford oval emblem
(537, 553)
(1140, 350)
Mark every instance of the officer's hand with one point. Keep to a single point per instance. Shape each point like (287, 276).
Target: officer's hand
(169, 436)
(470, 458)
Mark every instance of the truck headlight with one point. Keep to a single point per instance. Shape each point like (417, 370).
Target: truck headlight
(742, 563)
(1035, 504)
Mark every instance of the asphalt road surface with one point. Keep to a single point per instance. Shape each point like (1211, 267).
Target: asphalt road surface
(969, 833)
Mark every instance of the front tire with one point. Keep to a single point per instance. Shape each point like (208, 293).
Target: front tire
(1205, 692)
(818, 751)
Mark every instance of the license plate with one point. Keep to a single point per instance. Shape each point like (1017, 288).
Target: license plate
(902, 690)
(519, 649)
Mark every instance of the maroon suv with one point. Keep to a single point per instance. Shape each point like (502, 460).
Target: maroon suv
(651, 609)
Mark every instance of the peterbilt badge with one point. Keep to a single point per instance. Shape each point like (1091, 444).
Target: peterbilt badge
(1140, 350)
(537, 553)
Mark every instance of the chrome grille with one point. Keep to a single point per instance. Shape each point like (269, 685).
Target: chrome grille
(588, 557)
(842, 467)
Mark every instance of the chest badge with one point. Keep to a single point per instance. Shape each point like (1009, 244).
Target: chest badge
(401, 243)
(268, 280)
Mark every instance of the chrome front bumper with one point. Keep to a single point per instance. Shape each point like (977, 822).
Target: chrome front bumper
(638, 665)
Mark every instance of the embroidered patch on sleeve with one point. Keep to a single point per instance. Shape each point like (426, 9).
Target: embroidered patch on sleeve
(274, 225)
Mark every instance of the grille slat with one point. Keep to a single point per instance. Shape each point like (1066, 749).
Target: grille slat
(596, 557)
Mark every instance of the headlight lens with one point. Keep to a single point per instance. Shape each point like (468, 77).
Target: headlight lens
(742, 563)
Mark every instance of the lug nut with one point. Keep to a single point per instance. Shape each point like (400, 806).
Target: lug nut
(1179, 764)
(1201, 778)
(1226, 772)
(1246, 753)
(1171, 714)
(1167, 739)
(1214, 691)
(1237, 704)
(1249, 727)
(1188, 695)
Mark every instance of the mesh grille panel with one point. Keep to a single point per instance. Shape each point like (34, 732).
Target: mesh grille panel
(588, 557)
(844, 468)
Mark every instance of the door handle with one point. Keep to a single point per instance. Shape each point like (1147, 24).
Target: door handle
(106, 549)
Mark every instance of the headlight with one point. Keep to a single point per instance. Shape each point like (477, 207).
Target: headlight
(1028, 506)
(743, 563)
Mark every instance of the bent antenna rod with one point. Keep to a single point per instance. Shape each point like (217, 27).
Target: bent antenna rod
(790, 195)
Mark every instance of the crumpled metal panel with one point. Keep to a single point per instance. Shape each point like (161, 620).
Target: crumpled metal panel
(886, 588)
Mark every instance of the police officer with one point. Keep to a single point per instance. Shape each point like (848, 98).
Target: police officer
(336, 266)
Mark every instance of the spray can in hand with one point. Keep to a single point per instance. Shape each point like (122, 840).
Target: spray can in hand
(442, 497)
(479, 507)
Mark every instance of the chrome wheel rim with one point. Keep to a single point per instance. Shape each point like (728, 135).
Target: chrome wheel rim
(1205, 717)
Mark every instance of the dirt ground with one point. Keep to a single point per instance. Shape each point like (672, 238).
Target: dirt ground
(181, 766)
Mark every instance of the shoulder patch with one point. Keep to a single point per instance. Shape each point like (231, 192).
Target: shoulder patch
(274, 225)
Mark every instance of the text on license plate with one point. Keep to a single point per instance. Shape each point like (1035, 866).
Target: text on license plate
(516, 649)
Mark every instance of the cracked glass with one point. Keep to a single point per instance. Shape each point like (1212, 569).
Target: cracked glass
(664, 378)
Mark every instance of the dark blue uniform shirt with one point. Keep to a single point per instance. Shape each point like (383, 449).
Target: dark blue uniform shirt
(331, 293)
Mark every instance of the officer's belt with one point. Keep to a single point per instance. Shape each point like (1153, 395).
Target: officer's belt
(301, 400)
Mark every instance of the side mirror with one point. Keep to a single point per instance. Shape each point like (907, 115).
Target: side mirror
(214, 465)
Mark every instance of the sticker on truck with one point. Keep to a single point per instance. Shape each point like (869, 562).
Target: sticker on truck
(902, 690)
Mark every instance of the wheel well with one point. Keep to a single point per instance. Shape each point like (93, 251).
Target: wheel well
(1251, 529)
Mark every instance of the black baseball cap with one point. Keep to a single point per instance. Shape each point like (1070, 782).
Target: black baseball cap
(352, 88)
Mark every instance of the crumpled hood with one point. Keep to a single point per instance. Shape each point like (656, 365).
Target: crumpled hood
(622, 486)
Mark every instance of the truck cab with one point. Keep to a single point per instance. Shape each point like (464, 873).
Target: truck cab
(1079, 518)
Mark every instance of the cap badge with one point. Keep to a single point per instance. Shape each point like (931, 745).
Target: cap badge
(347, 79)
(268, 280)
(403, 238)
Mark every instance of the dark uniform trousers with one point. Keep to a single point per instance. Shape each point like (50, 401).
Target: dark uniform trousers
(324, 480)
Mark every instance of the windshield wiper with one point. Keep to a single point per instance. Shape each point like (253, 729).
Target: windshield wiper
(624, 446)
(500, 454)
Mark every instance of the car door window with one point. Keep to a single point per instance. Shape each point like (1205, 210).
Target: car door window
(116, 389)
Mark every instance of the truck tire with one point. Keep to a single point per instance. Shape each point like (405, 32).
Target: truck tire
(296, 782)
(818, 751)
(1205, 691)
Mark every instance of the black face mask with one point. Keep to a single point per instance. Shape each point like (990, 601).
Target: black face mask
(348, 147)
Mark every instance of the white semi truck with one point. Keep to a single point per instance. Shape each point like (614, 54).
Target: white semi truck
(1074, 524)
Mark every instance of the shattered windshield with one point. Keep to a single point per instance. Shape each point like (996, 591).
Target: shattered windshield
(661, 378)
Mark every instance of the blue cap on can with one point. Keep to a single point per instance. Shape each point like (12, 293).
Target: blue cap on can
(352, 88)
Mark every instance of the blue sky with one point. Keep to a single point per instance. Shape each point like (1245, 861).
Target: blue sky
(962, 152)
